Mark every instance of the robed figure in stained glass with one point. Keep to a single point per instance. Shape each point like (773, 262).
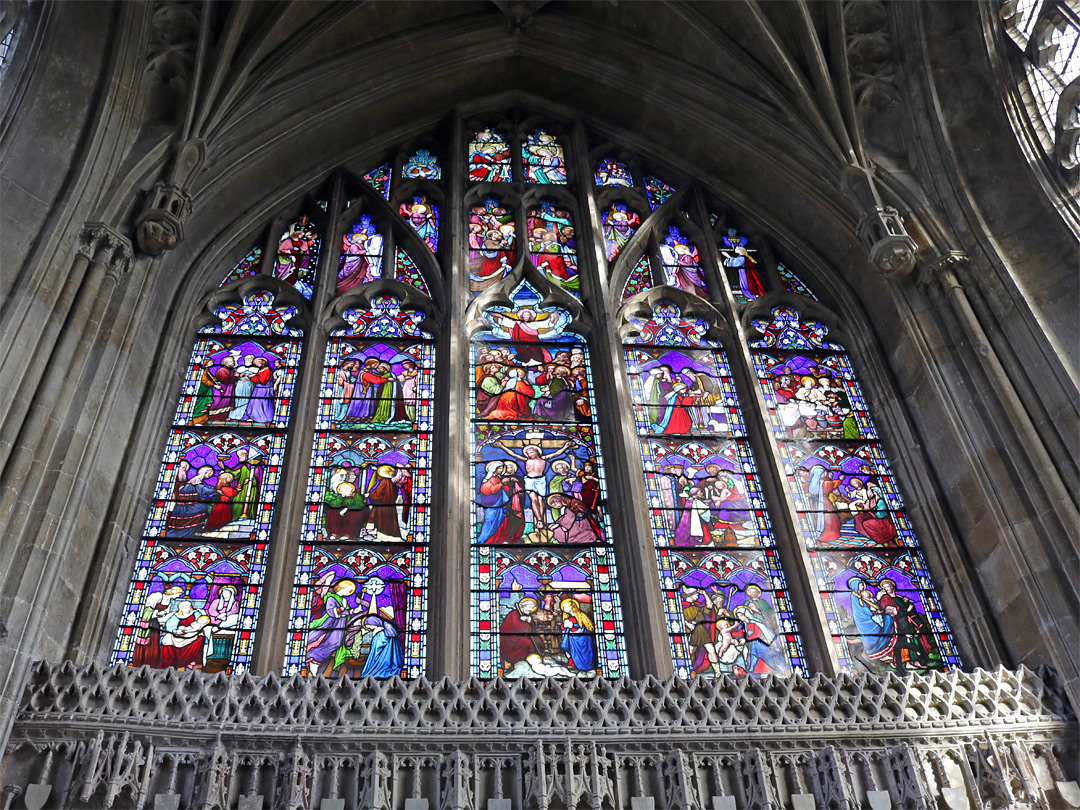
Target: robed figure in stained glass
(361, 255)
(296, 256)
(354, 630)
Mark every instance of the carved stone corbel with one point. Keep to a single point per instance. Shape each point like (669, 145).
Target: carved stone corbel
(160, 226)
(943, 274)
(99, 243)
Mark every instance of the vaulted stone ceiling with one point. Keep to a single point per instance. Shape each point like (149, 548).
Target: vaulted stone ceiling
(755, 96)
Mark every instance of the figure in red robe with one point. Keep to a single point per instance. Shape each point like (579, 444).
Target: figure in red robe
(515, 637)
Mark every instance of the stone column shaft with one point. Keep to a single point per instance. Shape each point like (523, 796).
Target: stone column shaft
(28, 588)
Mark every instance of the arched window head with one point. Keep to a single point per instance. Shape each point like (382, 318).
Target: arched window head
(194, 597)
(545, 599)
(1046, 37)
(359, 605)
(726, 603)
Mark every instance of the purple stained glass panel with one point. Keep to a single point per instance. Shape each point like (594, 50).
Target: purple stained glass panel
(192, 606)
(239, 381)
(359, 611)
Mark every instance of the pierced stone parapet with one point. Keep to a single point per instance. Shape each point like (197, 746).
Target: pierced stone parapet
(786, 706)
(127, 737)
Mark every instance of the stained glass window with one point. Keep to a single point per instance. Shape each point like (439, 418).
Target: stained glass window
(423, 216)
(611, 172)
(361, 255)
(422, 166)
(379, 179)
(725, 599)
(543, 158)
(741, 267)
(551, 245)
(882, 610)
(657, 191)
(406, 271)
(298, 256)
(491, 244)
(792, 283)
(194, 597)
(5, 45)
(619, 224)
(544, 593)
(639, 280)
(681, 263)
(489, 157)
(359, 604)
(247, 266)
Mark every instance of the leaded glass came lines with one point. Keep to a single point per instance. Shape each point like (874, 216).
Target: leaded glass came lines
(194, 598)
(359, 604)
(544, 593)
(883, 613)
(727, 607)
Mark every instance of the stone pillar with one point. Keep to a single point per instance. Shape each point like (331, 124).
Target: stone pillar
(42, 479)
(1040, 566)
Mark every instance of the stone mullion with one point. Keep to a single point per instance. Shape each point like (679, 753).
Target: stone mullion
(794, 558)
(449, 556)
(271, 637)
(647, 645)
